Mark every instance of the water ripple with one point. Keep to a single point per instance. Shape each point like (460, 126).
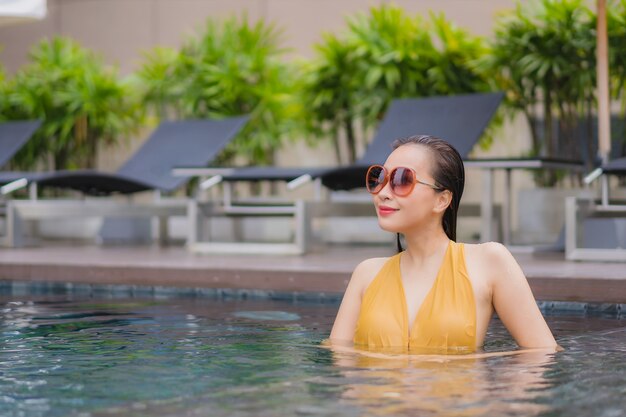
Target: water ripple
(233, 358)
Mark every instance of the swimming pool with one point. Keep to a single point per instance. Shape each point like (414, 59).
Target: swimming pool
(114, 351)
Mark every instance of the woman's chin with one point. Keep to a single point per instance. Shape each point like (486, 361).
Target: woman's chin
(388, 226)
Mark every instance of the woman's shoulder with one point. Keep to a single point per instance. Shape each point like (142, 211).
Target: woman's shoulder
(371, 265)
(366, 271)
(488, 251)
(492, 258)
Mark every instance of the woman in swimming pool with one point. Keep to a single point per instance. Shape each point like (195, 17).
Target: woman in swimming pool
(437, 295)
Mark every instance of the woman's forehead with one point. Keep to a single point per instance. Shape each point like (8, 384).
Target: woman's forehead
(413, 156)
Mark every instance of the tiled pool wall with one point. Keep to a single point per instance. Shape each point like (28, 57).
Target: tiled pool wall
(115, 291)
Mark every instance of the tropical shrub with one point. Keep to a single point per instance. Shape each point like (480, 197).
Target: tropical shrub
(616, 22)
(82, 104)
(383, 55)
(158, 84)
(543, 56)
(231, 68)
(333, 94)
(3, 91)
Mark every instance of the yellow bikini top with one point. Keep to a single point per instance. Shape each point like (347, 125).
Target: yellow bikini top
(445, 322)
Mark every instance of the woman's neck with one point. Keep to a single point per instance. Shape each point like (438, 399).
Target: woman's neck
(420, 246)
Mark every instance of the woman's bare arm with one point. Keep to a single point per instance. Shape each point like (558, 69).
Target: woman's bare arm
(348, 314)
(513, 300)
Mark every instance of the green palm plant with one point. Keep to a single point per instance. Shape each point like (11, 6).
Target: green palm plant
(332, 93)
(383, 55)
(157, 83)
(82, 105)
(543, 56)
(616, 22)
(397, 51)
(3, 91)
(231, 68)
(455, 70)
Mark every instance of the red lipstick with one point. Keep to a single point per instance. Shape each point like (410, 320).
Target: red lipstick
(386, 210)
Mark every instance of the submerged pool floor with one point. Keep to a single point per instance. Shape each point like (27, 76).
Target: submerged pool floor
(325, 270)
(103, 354)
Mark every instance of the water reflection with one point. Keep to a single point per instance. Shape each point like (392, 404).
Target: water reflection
(192, 357)
(468, 385)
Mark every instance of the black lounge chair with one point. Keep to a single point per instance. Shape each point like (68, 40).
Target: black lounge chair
(13, 136)
(459, 119)
(172, 144)
(596, 230)
(150, 168)
(614, 167)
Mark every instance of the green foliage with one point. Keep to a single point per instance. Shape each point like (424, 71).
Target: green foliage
(3, 92)
(543, 56)
(82, 105)
(454, 71)
(332, 93)
(232, 68)
(394, 53)
(383, 55)
(616, 22)
(157, 83)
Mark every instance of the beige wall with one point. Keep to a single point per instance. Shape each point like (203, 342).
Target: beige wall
(122, 29)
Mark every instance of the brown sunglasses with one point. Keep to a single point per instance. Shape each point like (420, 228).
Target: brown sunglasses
(402, 180)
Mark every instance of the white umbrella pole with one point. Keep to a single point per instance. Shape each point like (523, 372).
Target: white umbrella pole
(602, 68)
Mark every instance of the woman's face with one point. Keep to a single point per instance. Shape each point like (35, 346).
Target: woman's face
(419, 208)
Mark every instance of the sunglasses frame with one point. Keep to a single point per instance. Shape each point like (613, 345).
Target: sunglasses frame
(388, 175)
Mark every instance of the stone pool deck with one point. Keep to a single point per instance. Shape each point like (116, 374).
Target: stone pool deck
(324, 270)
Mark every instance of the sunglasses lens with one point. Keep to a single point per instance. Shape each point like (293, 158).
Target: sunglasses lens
(402, 181)
(375, 179)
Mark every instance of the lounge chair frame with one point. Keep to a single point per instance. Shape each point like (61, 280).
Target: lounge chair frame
(149, 169)
(18, 212)
(508, 165)
(302, 211)
(435, 112)
(577, 209)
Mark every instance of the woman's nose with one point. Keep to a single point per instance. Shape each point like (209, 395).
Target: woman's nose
(385, 193)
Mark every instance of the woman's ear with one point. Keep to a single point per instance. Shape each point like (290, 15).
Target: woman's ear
(444, 199)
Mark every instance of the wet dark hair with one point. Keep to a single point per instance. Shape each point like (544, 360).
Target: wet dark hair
(448, 173)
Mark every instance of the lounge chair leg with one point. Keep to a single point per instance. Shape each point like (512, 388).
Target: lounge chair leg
(486, 207)
(570, 227)
(204, 231)
(575, 212)
(195, 223)
(302, 221)
(237, 228)
(192, 222)
(506, 210)
(14, 228)
(163, 231)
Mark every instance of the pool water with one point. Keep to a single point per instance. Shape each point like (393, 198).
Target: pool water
(73, 355)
